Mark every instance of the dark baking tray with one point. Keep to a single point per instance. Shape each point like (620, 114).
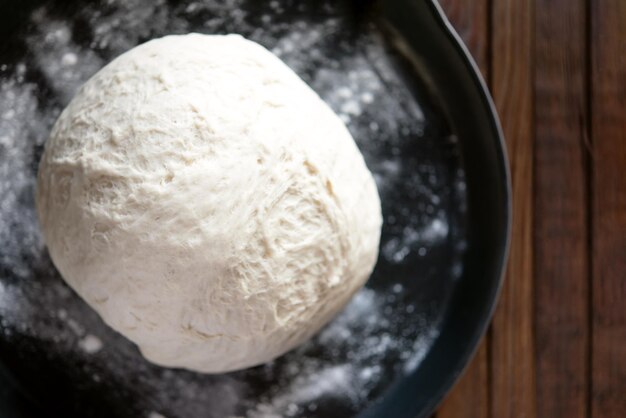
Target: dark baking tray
(414, 101)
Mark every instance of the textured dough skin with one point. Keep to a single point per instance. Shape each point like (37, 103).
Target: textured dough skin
(207, 203)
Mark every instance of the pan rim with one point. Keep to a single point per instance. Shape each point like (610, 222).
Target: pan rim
(427, 408)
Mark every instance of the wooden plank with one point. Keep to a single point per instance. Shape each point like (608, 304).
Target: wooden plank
(512, 343)
(561, 209)
(470, 19)
(470, 396)
(608, 76)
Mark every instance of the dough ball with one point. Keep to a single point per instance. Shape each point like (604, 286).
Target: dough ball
(207, 203)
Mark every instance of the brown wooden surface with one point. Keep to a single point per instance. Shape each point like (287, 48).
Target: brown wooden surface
(471, 394)
(561, 238)
(512, 360)
(608, 138)
(557, 344)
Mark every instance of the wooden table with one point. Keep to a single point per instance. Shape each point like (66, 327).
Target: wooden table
(557, 344)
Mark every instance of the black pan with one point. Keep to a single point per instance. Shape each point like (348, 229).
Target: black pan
(411, 96)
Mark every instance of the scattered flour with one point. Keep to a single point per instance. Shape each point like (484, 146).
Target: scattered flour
(90, 344)
(416, 240)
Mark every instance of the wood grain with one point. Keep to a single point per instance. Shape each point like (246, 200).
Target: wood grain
(561, 248)
(608, 76)
(512, 342)
(470, 19)
(557, 345)
(470, 396)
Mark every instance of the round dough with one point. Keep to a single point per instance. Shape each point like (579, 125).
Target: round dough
(207, 203)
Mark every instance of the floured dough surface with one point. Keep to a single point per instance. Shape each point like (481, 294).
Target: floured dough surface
(207, 203)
